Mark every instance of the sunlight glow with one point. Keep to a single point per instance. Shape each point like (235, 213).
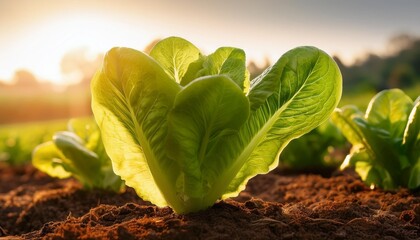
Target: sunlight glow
(37, 34)
(48, 41)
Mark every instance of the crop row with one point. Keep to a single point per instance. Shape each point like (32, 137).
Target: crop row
(185, 129)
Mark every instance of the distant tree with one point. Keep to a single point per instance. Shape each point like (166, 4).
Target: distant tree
(403, 68)
(399, 43)
(24, 78)
(255, 70)
(401, 76)
(348, 79)
(400, 67)
(80, 65)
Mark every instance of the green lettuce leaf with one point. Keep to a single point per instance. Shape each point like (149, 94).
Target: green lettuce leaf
(48, 158)
(411, 139)
(389, 111)
(175, 55)
(343, 118)
(205, 112)
(289, 99)
(227, 61)
(131, 98)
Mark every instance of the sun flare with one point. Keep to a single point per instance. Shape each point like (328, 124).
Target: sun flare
(49, 40)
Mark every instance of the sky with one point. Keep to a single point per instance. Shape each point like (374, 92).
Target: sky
(36, 34)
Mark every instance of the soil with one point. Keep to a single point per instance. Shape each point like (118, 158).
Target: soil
(278, 205)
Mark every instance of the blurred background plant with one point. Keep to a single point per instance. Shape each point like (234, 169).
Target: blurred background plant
(321, 150)
(18, 140)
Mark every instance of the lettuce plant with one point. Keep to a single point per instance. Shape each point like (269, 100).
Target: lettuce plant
(386, 140)
(78, 152)
(185, 129)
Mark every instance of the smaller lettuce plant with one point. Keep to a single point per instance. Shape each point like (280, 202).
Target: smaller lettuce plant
(78, 152)
(386, 140)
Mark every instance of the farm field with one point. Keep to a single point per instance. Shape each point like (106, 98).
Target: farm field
(19, 139)
(209, 120)
(58, 181)
(276, 205)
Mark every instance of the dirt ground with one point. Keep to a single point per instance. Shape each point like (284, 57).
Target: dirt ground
(277, 205)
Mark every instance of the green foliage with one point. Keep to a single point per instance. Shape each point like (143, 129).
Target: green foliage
(78, 152)
(321, 148)
(184, 129)
(386, 140)
(18, 140)
(400, 68)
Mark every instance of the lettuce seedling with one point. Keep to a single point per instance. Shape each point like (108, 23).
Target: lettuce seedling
(185, 129)
(386, 140)
(80, 153)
